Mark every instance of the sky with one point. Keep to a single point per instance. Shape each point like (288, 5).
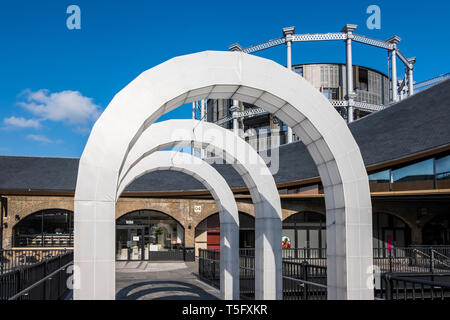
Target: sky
(55, 82)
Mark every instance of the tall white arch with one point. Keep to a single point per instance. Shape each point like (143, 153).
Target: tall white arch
(254, 172)
(251, 79)
(221, 192)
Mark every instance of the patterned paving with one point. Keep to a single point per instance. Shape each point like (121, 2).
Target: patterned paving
(143, 280)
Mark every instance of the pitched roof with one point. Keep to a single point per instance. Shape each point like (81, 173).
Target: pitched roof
(415, 125)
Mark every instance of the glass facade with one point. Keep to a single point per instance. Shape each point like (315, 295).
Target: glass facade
(46, 228)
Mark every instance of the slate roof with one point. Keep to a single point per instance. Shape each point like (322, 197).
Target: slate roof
(412, 126)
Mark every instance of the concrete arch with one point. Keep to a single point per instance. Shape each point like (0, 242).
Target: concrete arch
(222, 194)
(410, 225)
(211, 213)
(254, 172)
(246, 208)
(264, 83)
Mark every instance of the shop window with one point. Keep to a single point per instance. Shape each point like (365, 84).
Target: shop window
(299, 70)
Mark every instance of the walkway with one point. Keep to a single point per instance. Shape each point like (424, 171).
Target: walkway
(143, 280)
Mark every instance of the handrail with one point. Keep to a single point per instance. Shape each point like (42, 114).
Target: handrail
(27, 289)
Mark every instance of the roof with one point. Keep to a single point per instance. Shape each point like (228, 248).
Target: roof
(413, 126)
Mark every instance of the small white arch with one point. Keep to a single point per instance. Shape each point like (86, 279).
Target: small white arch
(222, 194)
(251, 79)
(254, 172)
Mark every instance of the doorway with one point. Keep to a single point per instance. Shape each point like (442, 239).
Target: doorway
(130, 243)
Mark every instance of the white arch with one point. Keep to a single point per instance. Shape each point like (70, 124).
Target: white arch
(254, 172)
(251, 79)
(228, 213)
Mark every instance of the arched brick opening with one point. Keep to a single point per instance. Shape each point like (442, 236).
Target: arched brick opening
(207, 231)
(437, 230)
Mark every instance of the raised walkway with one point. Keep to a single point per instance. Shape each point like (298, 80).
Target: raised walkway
(143, 280)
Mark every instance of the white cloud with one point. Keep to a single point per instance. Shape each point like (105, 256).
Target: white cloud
(21, 123)
(41, 138)
(67, 106)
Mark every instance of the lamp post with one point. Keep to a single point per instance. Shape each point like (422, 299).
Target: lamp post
(288, 35)
(411, 62)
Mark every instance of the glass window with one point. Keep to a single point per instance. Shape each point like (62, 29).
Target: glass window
(443, 172)
(379, 181)
(418, 176)
(302, 238)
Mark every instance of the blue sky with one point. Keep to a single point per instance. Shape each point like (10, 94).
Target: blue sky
(55, 81)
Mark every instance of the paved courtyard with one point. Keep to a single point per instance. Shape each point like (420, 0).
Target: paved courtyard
(143, 280)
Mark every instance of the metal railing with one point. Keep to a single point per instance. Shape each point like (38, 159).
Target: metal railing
(11, 259)
(44, 280)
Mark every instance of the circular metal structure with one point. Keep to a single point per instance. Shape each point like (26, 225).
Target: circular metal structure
(221, 192)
